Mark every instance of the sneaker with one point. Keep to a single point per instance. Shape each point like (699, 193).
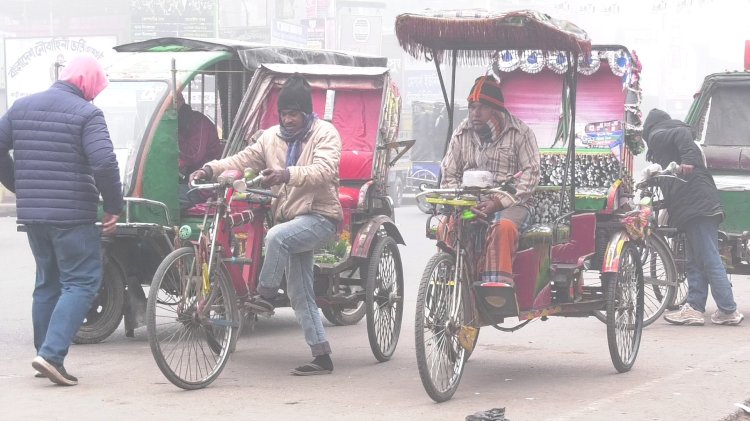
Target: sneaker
(686, 315)
(55, 372)
(320, 365)
(259, 304)
(720, 318)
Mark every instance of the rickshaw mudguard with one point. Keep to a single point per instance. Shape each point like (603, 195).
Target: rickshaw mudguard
(611, 261)
(613, 197)
(364, 237)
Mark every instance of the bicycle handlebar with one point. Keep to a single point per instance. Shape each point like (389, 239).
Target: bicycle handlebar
(467, 190)
(654, 172)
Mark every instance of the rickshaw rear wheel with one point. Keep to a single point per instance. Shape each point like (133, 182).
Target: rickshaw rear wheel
(108, 306)
(190, 335)
(678, 245)
(659, 268)
(384, 297)
(341, 316)
(440, 356)
(625, 309)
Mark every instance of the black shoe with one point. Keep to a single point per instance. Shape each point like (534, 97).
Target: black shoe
(56, 373)
(259, 304)
(322, 364)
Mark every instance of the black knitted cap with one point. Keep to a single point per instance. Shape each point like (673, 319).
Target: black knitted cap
(296, 94)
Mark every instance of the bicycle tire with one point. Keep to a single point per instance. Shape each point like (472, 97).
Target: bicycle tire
(384, 297)
(203, 339)
(433, 317)
(625, 309)
(657, 297)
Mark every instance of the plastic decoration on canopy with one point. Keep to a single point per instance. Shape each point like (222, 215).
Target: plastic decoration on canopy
(508, 60)
(532, 61)
(494, 68)
(590, 66)
(557, 61)
(619, 62)
(633, 116)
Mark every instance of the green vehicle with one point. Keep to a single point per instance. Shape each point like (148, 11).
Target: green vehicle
(139, 107)
(719, 117)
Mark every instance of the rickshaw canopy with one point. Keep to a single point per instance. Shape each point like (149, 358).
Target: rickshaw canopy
(253, 54)
(475, 34)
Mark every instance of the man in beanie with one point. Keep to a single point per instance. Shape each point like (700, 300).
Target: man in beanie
(491, 139)
(62, 161)
(695, 208)
(300, 161)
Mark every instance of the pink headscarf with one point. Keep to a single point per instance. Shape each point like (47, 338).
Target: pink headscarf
(87, 74)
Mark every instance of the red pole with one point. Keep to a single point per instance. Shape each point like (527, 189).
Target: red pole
(747, 55)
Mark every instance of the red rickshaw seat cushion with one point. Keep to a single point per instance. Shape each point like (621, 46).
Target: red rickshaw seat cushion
(355, 165)
(348, 196)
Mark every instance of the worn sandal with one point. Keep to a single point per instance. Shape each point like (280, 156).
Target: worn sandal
(310, 369)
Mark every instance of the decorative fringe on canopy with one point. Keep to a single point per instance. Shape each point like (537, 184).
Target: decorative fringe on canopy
(476, 35)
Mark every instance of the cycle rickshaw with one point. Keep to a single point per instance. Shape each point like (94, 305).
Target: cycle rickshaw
(195, 305)
(542, 64)
(139, 107)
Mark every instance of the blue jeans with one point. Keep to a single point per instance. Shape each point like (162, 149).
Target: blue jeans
(68, 275)
(704, 265)
(289, 247)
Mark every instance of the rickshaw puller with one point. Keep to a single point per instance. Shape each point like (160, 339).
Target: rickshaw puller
(492, 139)
(300, 161)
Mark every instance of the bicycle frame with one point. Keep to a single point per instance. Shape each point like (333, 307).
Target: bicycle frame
(231, 219)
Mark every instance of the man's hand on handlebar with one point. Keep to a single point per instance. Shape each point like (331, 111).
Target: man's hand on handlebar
(274, 177)
(109, 223)
(486, 208)
(198, 175)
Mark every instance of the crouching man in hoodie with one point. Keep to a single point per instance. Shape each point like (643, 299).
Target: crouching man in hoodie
(695, 208)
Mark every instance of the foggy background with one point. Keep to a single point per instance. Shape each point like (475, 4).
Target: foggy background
(678, 42)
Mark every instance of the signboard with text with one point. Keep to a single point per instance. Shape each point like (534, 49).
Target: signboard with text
(172, 18)
(32, 63)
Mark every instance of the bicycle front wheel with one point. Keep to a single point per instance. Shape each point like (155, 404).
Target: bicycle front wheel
(190, 329)
(625, 309)
(439, 320)
(659, 277)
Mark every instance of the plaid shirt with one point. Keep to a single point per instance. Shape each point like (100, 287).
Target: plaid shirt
(513, 151)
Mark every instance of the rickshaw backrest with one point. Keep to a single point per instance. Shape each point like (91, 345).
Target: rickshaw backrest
(355, 115)
(535, 99)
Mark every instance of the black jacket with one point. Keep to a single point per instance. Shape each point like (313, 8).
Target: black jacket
(672, 140)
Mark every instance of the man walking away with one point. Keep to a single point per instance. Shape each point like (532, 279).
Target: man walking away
(62, 161)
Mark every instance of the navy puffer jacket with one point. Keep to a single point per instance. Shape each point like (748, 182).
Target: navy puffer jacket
(62, 158)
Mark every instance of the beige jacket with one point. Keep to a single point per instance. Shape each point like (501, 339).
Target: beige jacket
(313, 183)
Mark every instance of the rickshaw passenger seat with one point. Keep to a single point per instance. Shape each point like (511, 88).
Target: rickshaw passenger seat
(355, 169)
(581, 242)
